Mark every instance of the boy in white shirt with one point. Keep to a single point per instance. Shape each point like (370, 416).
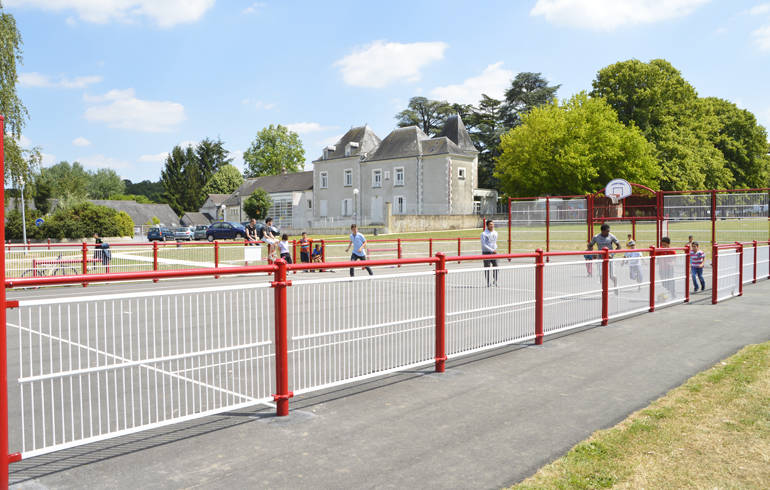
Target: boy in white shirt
(283, 247)
(489, 247)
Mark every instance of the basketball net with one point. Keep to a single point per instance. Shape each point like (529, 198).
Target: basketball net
(615, 198)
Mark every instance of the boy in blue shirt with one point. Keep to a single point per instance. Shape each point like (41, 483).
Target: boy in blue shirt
(358, 242)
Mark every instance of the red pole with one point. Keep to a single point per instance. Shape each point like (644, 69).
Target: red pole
(713, 217)
(714, 273)
(323, 251)
(659, 217)
(590, 217)
(755, 263)
(687, 274)
(430, 247)
(155, 258)
(547, 224)
(216, 256)
(3, 349)
(633, 229)
(440, 312)
(539, 267)
(652, 279)
(49, 244)
(509, 225)
(398, 249)
(281, 344)
(605, 286)
(85, 261)
(458, 248)
(294, 252)
(740, 269)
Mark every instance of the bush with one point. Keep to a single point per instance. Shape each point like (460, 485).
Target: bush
(257, 204)
(13, 229)
(85, 219)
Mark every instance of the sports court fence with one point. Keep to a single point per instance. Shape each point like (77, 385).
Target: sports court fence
(94, 367)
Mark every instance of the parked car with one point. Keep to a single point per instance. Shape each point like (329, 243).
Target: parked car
(184, 233)
(200, 232)
(159, 233)
(225, 230)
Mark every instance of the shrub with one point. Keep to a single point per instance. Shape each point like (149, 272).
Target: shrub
(13, 229)
(257, 204)
(85, 219)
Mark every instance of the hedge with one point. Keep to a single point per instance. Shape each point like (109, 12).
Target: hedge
(79, 221)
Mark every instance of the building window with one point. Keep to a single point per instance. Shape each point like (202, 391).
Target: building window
(399, 176)
(310, 204)
(461, 173)
(282, 212)
(377, 178)
(347, 207)
(324, 184)
(348, 177)
(400, 205)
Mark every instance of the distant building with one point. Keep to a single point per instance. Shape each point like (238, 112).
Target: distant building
(212, 206)
(143, 214)
(194, 219)
(292, 195)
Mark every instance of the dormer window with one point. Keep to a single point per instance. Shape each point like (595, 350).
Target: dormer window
(329, 149)
(350, 147)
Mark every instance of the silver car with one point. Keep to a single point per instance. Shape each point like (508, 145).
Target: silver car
(200, 232)
(184, 233)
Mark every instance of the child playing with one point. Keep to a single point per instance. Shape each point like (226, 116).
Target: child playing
(283, 246)
(697, 258)
(589, 264)
(634, 263)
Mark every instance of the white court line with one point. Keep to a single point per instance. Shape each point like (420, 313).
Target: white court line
(125, 359)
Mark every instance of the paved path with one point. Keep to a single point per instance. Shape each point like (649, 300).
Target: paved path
(489, 421)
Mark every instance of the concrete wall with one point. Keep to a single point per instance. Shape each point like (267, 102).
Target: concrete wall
(429, 222)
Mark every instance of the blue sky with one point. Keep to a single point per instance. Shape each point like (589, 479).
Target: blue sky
(117, 83)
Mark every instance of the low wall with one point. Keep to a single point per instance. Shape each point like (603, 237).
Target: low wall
(399, 223)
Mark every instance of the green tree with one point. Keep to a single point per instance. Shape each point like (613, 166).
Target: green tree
(572, 148)
(486, 127)
(41, 195)
(257, 204)
(172, 177)
(428, 115)
(139, 198)
(742, 142)
(152, 190)
(656, 98)
(225, 181)
(104, 183)
(527, 91)
(275, 150)
(66, 180)
(211, 157)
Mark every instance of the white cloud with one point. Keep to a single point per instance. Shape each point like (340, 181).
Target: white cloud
(156, 158)
(493, 81)
(164, 13)
(608, 15)
(258, 104)
(308, 127)
(380, 63)
(80, 141)
(101, 161)
(254, 8)
(121, 109)
(760, 9)
(762, 37)
(24, 142)
(34, 79)
(48, 159)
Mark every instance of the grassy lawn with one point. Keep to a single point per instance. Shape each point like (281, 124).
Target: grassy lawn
(711, 432)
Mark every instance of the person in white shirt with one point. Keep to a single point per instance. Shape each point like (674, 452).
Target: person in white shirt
(283, 246)
(489, 247)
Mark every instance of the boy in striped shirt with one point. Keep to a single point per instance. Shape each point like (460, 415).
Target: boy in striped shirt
(697, 258)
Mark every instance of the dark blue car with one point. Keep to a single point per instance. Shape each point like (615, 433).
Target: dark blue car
(222, 230)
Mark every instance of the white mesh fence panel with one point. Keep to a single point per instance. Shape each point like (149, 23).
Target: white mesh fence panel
(763, 262)
(572, 295)
(728, 282)
(84, 369)
(670, 279)
(489, 307)
(352, 328)
(629, 287)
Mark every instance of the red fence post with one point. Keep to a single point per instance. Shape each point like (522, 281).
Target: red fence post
(85, 261)
(547, 224)
(633, 229)
(713, 217)
(430, 247)
(49, 244)
(687, 274)
(3, 349)
(509, 225)
(323, 251)
(754, 280)
(539, 293)
(294, 252)
(155, 258)
(398, 249)
(458, 247)
(281, 343)
(714, 273)
(740, 269)
(652, 279)
(440, 312)
(216, 256)
(605, 285)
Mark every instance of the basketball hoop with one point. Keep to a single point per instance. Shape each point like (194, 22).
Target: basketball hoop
(615, 198)
(617, 189)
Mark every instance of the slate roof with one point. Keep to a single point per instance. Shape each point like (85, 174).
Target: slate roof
(142, 213)
(363, 135)
(289, 182)
(192, 219)
(400, 143)
(218, 199)
(454, 129)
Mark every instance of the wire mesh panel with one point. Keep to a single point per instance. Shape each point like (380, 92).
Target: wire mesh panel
(670, 278)
(567, 220)
(489, 307)
(728, 281)
(43, 261)
(352, 328)
(742, 217)
(572, 295)
(89, 368)
(748, 264)
(527, 225)
(685, 215)
(629, 286)
(763, 262)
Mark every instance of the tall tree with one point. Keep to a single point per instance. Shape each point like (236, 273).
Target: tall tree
(152, 190)
(104, 183)
(273, 151)
(226, 180)
(527, 91)
(485, 127)
(66, 181)
(428, 115)
(257, 204)
(211, 156)
(656, 98)
(173, 179)
(573, 148)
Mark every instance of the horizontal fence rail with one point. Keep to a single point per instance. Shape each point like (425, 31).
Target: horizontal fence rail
(92, 367)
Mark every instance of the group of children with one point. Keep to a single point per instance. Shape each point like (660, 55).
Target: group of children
(633, 259)
(268, 234)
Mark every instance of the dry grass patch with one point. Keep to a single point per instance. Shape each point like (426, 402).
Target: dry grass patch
(711, 432)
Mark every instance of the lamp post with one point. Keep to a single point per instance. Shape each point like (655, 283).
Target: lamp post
(355, 204)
